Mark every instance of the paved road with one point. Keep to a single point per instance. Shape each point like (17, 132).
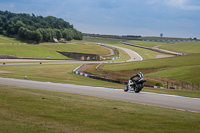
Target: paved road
(133, 55)
(168, 101)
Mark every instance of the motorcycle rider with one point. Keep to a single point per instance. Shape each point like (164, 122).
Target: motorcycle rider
(139, 76)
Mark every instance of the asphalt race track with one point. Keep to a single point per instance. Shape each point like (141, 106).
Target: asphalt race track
(167, 101)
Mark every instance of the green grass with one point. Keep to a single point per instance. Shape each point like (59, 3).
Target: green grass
(44, 51)
(102, 40)
(163, 38)
(30, 51)
(6, 39)
(53, 73)
(147, 43)
(27, 110)
(186, 73)
(80, 46)
(185, 47)
(181, 68)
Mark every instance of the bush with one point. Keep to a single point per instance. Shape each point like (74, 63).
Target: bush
(159, 84)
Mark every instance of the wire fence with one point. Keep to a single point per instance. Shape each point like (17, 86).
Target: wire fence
(181, 85)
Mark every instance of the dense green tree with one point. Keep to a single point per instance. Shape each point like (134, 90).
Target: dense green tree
(58, 33)
(77, 35)
(28, 35)
(44, 33)
(36, 28)
(21, 32)
(37, 36)
(68, 34)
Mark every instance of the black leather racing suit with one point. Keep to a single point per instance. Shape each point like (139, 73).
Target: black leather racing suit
(139, 76)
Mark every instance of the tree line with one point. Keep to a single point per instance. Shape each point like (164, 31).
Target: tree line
(37, 28)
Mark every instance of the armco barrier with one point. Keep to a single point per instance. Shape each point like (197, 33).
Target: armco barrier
(115, 58)
(159, 87)
(108, 80)
(79, 73)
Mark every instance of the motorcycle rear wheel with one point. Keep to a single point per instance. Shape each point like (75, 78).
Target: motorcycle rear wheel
(126, 88)
(139, 88)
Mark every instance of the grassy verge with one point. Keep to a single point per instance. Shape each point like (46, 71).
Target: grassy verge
(147, 43)
(53, 73)
(102, 40)
(185, 47)
(163, 38)
(5, 39)
(44, 51)
(169, 71)
(79, 47)
(14, 47)
(27, 110)
(178, 67)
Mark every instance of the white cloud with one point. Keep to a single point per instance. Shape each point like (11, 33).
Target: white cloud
(181, 4)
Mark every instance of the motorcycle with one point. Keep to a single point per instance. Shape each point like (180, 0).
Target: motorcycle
(135, 86)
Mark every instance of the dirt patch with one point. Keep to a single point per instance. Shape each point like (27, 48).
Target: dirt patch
(83, 68)
(156, 46)
(158, 56)
(111, 53)
(4, 71)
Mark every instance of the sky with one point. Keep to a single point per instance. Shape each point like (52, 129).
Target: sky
(173, 18)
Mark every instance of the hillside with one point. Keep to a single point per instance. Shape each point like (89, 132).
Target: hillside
(19, 49)
(36, 28)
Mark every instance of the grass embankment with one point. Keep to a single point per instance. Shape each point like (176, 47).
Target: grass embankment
(185, 68)
(28, 110)
(163, 38)
(5, 39)
(185, 47)
(53, 73)
(47, 50)
(147, 43)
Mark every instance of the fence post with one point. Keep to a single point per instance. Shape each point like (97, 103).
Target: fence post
(182, 85)
(167, 85)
